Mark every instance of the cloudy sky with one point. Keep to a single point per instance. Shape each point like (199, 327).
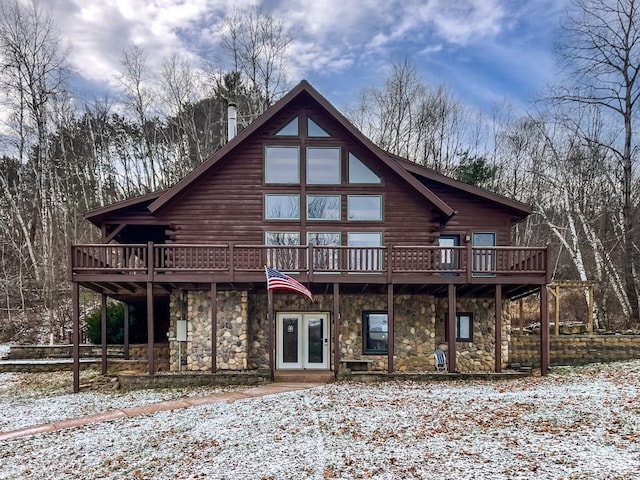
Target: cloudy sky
(485, 50)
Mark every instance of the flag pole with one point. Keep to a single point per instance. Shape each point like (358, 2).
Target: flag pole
(271, 327)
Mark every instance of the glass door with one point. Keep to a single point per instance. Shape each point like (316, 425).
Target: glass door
(303, 340)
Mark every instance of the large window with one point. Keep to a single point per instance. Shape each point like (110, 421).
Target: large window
(375, 332)
(359, 172)
(323, 165)
(282, 164)
(287, 255)
(281, 207)
(464, 327)
(323, 207)
(484, 260)
(364, 207)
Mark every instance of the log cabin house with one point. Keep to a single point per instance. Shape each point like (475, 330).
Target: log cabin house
(400, 260)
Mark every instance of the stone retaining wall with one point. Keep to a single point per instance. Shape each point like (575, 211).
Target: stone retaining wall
(574, 349)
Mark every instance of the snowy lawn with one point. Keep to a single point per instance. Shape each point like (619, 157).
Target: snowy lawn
(581, 423)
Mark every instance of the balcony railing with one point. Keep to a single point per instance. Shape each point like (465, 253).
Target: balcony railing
(164, 260)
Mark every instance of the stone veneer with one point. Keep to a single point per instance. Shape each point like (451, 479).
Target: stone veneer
(243, 340)
(232, 337)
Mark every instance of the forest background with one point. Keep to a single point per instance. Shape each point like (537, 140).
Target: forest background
(572, 156)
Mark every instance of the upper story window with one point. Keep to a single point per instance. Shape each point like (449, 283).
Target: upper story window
(364, 207)
(290, 129)
(282, 164)
(315, 130)
(323, 165)
(323, 207)
(360, 173)
(281, 207)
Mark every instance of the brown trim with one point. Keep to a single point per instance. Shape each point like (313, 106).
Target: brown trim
(115, 232)
(390, 328)
(214, 327)
(498, 327)
(451, 332)
(75, 301)
(544, 331)
(336, 327)
(150, 339)
(130, 202)
(126, 330)
(302, 88)
(425, 172)
(103, 332)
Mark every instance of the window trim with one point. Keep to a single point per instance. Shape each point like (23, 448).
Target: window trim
(381, 216)
(468, 339)
(264, 162)
(266, 215)
(366, 332)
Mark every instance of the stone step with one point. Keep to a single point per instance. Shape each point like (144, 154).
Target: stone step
(303, 376)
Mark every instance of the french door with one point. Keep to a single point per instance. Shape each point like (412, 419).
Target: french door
(303, 340)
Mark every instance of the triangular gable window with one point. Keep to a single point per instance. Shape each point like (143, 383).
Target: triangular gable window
(290, 129)
(315, 130)
(360, 173)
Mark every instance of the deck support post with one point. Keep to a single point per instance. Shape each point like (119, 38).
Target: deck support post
(498, 327)
(391, 328)
(126, 331)
(150, 328)
(544, 330)
(271, 326)
(75, 300)
(214, 327)
(451, 329)
(336, 328)
(103, 333)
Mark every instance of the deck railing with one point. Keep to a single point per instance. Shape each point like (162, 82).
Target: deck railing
(165, 259)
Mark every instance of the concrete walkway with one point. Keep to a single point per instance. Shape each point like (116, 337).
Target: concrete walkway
(184, 402)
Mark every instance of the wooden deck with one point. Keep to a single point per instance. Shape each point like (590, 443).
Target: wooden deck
(173, 263)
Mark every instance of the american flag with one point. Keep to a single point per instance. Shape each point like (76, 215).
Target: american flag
(278, 280)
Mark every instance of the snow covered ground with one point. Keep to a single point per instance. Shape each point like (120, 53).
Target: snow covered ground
(581, 423)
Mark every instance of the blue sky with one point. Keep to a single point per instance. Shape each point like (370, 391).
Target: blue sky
(485, 50)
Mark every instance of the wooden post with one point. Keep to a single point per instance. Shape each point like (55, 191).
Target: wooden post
(521, 315)
(214, 327)
(590, 312)
(150, 339)
(336, 328)
(75, 300)
(271, 326)
(451, 329)
(544, 330)
(498, 347)
(103, 332)
(126, 331)
(391, 328)
(557, 310)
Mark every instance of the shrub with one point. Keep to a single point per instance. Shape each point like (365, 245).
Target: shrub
(115, 326)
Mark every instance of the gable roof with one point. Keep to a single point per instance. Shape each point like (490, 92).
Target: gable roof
(303, 88)
(519, 210)
(96, 214)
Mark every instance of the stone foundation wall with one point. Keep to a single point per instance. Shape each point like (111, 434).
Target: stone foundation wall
(478, 355)
(231, 335)
(574, 349)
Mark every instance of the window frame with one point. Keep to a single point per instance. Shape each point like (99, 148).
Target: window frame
(266, 179)
(366, 332)
(459, 315)
(266, 211)
(324, 219)
(380, 210)
(308, 169)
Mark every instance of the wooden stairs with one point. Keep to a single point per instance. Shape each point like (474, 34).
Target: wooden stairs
(303, 376)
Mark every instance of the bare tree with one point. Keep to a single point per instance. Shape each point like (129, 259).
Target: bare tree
(601, 50)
